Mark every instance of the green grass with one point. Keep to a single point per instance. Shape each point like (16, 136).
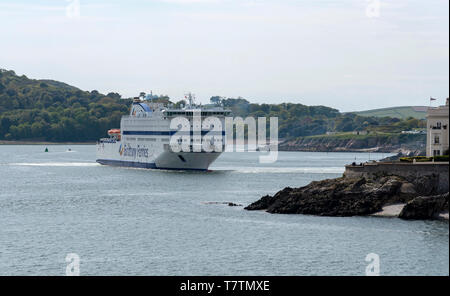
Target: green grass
(396, 112)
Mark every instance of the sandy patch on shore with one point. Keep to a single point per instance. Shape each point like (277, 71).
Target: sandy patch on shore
(390, 211)
(443, 216)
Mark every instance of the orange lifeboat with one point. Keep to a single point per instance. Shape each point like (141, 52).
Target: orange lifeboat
(114, 133)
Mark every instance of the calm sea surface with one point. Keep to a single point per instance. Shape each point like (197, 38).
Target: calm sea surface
(124, 221)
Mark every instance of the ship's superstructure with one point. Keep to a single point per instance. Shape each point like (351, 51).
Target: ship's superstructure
(159, 136)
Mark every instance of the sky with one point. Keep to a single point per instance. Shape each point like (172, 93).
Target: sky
(347, 54)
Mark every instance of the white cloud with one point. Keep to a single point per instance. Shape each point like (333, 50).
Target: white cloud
(190, 1)
(11, 7)
(314, 52)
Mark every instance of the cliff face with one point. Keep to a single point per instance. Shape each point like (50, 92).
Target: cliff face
(355, 144)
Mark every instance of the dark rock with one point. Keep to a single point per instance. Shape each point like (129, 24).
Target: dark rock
(426, 185)
(232, 204)
(335, 197)
(425, 207)
(266, 201)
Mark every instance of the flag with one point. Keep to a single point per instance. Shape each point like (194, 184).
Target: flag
(432, 99)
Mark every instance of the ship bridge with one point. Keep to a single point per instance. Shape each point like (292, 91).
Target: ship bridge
(202, 112)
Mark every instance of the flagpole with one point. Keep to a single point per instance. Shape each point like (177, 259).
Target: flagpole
(432, 99)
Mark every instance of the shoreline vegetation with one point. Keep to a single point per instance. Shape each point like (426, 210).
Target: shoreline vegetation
(55, 112)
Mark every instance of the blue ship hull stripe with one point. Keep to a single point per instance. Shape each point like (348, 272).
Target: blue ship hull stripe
(142, 165)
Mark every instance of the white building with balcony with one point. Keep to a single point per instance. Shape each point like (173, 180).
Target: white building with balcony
(437, 130)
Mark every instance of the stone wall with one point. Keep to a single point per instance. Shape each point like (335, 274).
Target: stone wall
(408, 170)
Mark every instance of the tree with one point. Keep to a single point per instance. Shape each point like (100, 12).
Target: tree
(216, 100)
(59, 112)
(37, 129)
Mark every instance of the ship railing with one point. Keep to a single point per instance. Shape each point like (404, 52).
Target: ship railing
(108, 140)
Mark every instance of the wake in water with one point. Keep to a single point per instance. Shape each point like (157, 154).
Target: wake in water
(56, 164)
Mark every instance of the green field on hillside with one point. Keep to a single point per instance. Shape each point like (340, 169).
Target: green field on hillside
(404, 112)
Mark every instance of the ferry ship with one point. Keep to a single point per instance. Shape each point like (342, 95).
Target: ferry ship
(144, 137)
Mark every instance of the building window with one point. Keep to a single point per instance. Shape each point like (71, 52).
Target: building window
(437, 126)
(436, 152)
(436, 139)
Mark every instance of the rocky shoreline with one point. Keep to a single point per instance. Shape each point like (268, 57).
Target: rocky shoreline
(426, 207)
(330, 144)
(359, 196)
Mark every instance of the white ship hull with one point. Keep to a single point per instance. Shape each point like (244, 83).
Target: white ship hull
(110, 154)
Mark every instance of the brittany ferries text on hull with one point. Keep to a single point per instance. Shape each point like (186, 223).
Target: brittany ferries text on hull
(143, 139)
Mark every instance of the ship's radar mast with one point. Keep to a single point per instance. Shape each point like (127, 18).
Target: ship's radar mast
(191, 98)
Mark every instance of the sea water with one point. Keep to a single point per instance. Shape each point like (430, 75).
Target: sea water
(123, 221)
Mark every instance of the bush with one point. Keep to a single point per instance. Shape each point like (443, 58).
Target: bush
(441, 158)
(424, 158)
(406, 159)
(417, 158)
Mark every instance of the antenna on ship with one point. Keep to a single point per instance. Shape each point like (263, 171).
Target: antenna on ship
(148, 97)
(191, 98)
